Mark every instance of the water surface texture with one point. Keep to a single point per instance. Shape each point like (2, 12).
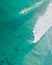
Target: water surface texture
(18, 19)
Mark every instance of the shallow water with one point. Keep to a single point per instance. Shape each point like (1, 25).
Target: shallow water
(16, 33)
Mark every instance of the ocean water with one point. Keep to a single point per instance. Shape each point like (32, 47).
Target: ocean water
(18, 19)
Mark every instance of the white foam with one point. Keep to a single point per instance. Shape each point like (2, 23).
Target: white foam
(43, 24)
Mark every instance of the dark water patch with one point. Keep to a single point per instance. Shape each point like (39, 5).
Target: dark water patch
(1, 62)
(8, 62)
(16, 49)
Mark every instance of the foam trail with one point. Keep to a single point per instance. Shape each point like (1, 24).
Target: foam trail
(28, 10)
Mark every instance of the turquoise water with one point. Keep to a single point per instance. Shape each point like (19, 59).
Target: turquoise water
(16, 34)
